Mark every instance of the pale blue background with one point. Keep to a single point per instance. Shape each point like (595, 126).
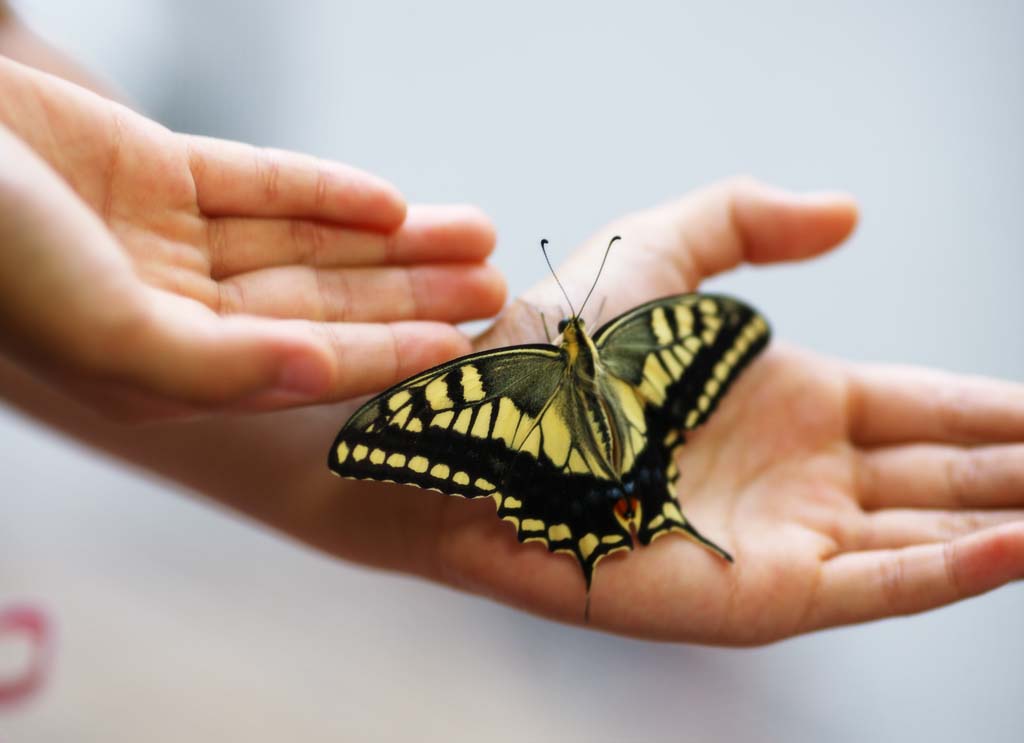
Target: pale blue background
(180, 622)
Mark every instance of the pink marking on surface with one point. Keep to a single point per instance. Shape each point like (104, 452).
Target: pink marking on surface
(33, 624)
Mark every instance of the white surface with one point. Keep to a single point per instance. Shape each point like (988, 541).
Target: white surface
(178, 622)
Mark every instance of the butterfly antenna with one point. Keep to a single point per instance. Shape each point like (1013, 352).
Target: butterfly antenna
(599, 270)
(544, 250)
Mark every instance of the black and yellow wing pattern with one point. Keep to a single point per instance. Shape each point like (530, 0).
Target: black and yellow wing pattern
(575, 443)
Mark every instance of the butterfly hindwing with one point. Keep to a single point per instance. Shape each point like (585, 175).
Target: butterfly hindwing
(680, 354)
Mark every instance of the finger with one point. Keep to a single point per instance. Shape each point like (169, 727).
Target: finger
(933, 476)
(429, 234)
(184, 352)
(448, 292)
(901, 527)
(862, 586)
(704, 233)
(235, 179)
(741, 220)
(894, 404)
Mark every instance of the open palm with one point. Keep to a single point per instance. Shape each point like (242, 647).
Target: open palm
(843, 491)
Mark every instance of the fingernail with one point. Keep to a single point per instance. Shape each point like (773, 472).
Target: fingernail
(304, 376)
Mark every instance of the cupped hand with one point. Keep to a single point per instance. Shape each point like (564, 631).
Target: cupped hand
(157, 275)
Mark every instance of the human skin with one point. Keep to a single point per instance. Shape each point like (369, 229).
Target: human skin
(846, 492)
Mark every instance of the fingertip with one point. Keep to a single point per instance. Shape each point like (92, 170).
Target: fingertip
(493, 289)
(779, 225)
(383, 205)
(989, 558)
(453, 232)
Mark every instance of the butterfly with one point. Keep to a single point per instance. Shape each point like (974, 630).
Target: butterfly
(576, 443)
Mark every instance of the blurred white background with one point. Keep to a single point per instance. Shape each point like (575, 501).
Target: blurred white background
(180, 622)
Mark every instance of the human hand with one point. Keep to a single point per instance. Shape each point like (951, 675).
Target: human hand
(845, 492)
(154, 274)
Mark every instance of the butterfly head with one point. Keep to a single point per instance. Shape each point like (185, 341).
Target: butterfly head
(571, 328)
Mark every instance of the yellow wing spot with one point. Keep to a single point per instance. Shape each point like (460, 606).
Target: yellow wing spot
(704, 402)
(415, 425)
(672, 512)
(557, 439)
(342, 452)
(377, 456)
(460, 478)
(672, 471)
(656, 522)
(659, 324)
(461, 424)
(669, 360)
(396, 460)
(684, 319)
(484, 484)
(709, 336)
(497, 498)
(713, 322)
(443, 420)
(611, 538)
(559, 533)
(482, 424)
(577, 463)
(507, 421)
(398, 399)
(513, 503)
(629, 403)
(587, 545)
(399, 418)
(532, 525)
(437, 394)
(684, 356)
(708, 307)
(419, 464)
(742, 344)
(360, 452)
(514, 520)
(712, 387)
(440, 471)
(731, 357)
(671, 438)
(692, 343)
(532, 443)
(637, 440)
(654, 371)
(472, 384)
(722, 371)
(691, 418)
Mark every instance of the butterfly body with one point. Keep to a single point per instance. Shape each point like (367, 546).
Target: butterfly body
(576, 443)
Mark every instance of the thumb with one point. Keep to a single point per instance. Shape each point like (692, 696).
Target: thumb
(743, 220)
